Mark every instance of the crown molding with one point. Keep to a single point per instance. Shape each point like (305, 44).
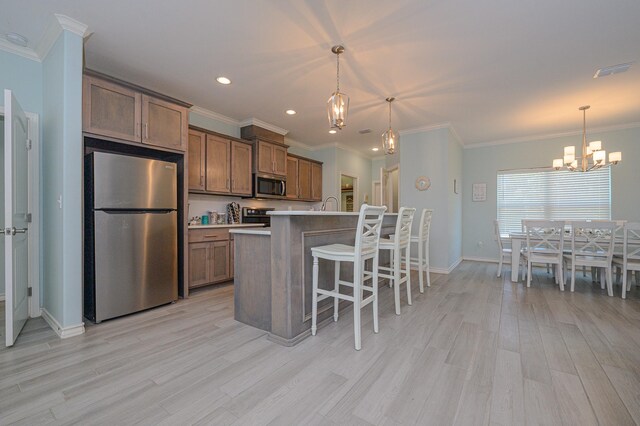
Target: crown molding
(547, 136)
(25, 52)
(264, 125)
(57, 24)
(214, 116)
(456, 136)
(71, 25)
(293, 142)
(378, 157)
(421, 129)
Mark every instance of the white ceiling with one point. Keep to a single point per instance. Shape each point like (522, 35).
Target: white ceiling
(494, 70)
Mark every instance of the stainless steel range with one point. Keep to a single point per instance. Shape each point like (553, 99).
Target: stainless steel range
(257, 215)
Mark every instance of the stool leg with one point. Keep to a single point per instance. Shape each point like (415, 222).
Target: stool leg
(336, 288)
(374, 284)
(314, 297)
(420, 267)
(391, 263)
(357, 301)
(396, 287)
(407, 271)
(426, 262)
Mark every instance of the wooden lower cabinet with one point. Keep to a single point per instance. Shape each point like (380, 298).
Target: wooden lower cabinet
(199, 264)
(210, 262)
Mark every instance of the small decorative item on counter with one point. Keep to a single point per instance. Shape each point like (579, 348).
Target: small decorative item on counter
(222, 219)
(193, 221)
(205, 219)
(214, 216)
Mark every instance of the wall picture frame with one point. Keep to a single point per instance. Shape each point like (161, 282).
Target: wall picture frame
(479, 192)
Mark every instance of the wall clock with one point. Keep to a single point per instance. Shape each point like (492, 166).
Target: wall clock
(423, 183)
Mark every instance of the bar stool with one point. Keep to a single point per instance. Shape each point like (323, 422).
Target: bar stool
(423, 247)
(366, 248)
(397, 243)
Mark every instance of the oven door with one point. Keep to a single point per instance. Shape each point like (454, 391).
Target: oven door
(267, 187)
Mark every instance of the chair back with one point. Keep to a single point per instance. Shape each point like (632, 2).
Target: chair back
(496, 234)
(403, 226)
(594, 239)
(631, 245)
(425, 224)
(545, 237)
(368, 230)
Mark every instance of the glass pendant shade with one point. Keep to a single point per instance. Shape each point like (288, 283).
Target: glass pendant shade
(389, 141)
(337, 110)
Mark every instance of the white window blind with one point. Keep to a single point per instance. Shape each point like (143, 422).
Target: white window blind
(552, 195)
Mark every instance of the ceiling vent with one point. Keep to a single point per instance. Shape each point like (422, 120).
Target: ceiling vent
(364, 131)
(613, 69)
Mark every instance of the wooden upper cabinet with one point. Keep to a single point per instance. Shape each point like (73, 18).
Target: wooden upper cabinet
(316, 181)
(217, 164)
(292, 177)
(279, 160)
(196, 152)
(111, 110)
(304, 179)
(240, 168)
(163, 123)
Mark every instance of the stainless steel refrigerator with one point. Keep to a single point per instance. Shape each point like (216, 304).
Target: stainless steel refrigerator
(131, 235)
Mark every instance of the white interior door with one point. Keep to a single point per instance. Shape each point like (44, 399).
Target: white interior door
(16, 204)
(384, 189)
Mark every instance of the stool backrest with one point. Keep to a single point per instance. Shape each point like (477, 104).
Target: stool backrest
(545, 236)
(425, 224)
(631, 249)
(369, 228)
(595, 239)
(403, 226)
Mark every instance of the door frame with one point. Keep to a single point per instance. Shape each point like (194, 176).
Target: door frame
(356, 190)
(33, 134)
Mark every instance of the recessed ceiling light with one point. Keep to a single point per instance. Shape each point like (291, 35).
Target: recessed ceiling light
(374, 149)
(364, 131)
(17, 39)
(332, 131)
(223, 80)
(290, 112)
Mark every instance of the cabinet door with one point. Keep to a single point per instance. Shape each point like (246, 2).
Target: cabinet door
(164, 124)
(217, 164)
(279, 160)
(316, 182)
(110, 110)
(304, 179)
(219, 261)
(265, 157)
(240, 168)
(199, 264)
(292, 177)
(197, 142)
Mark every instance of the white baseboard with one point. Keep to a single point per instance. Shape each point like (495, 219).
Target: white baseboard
(481, 259)
(62, 332)
(448, 270)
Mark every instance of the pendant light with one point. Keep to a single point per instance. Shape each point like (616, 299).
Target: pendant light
(338, 103)
(390, 138)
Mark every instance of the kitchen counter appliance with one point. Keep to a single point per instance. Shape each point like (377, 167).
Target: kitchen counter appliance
(267, 186)
(131, 235)
(256, 215)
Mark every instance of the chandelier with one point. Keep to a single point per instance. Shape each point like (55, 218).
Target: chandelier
(390, 138)
(593, 156)
(338, 103)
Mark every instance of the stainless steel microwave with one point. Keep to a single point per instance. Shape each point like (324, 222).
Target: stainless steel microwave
(269, 186)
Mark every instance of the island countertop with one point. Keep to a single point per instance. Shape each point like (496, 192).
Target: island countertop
(227, 225)
(251, 231)
(316, 213)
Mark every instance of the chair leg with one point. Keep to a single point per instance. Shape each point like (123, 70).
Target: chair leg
(336, 288)
(396, 287)
(609, 281)
(624, 284)
(602, 278)
(421, 266)
(374, 284)
(500, 266)
(617, 274)
(314, 297)
(407, 270)
(573, 277)
(529, 273)
(561, 274)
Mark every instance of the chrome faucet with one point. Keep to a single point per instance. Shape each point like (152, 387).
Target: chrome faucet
(324, 203)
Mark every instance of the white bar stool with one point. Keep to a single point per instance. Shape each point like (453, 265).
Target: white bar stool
(422, 261)
(366, 247)
(397, 243)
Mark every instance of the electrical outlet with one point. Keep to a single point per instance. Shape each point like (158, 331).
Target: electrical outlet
(480, 244)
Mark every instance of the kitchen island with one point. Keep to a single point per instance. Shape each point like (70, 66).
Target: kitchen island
(273, 270)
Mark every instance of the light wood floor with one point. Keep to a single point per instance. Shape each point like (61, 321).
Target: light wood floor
(474, 349)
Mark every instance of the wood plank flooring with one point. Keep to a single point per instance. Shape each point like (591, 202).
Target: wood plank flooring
(474, 349)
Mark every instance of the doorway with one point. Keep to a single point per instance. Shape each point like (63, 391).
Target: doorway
(348, 193)
(390, 188)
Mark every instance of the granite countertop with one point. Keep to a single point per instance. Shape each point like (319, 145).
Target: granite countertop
(228, 225)
(254, 231)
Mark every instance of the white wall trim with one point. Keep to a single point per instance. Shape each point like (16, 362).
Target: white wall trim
(480, 259)
(264, 125)
(214, 116)
(546, 136)
(57, 24)
(293, 142)
(62, 332)
(25, 52)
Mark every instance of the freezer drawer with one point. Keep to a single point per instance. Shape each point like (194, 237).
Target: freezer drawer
(123, 182)
(136, 261)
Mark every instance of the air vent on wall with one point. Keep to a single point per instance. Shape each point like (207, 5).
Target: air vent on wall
(364, 131)
(613, 69)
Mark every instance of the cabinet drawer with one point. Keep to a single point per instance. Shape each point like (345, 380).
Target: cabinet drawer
(212, 234)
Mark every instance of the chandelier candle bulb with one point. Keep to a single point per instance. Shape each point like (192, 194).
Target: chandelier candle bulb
(568, 158)
(595, 146)
(557, 163)
(599, 157)
(569, 150)
(614, 157)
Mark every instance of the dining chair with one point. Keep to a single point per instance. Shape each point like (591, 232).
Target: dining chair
(592, 245)
(545, 244)
(630, 260)
(365, 248)
(399, 246)
(504, 253)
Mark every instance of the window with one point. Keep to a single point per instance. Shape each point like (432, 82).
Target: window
(552, 195)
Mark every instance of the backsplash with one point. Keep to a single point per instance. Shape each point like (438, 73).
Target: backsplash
(201, 204)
